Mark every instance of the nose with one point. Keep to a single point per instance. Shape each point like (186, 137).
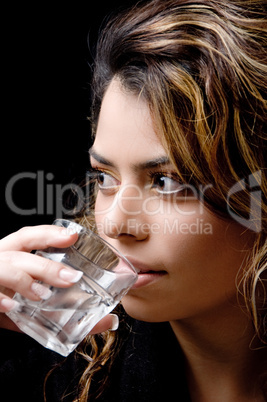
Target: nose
(125, 217)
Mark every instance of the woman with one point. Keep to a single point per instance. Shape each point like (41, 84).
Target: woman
(179, 160)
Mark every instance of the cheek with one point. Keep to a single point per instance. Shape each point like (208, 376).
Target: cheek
(208, 265)
(203, 255)
(103, 206)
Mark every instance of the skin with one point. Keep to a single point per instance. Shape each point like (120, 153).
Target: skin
(185, 258)
(193, 283)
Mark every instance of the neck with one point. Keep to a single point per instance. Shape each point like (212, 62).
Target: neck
(220, 361)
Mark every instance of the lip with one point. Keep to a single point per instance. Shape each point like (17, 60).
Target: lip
(146, 275)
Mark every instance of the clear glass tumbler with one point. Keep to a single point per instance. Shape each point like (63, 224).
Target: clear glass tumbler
(62, 321)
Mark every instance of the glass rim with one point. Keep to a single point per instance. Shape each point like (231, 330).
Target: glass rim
(91, 233)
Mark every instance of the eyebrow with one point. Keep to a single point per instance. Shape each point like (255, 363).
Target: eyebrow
(149, 164)
(99, 158)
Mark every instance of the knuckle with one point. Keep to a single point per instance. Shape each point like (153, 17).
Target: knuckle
(19, 279)
(32, 237)
(24, 237)
(7, 257)
(22, 232)
(47, 267)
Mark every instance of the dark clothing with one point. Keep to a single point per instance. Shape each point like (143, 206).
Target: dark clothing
(149, 368)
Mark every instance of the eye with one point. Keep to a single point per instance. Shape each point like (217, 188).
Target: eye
(166, 184)
(105, 181)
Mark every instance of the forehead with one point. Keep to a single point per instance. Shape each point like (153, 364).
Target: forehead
(125, 127)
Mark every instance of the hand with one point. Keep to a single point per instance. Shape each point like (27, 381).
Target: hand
(19, 270)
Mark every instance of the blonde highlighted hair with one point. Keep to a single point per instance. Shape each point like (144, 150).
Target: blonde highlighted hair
(201, 65)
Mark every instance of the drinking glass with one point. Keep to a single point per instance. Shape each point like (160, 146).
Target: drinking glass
(62, 321)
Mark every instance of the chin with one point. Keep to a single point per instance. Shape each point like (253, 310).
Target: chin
(141, 310)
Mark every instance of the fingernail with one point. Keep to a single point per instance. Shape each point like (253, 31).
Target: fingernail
(41, 291)
(9, 304)
(69, 231)
(71, 276)
(115, 322)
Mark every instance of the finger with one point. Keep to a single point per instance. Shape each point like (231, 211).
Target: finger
(7, 304)
(38, 237)
(19, 272)
(108, 323)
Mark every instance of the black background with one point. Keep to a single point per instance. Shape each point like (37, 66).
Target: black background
(46, 74)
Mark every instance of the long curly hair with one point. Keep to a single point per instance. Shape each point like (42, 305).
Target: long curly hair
(201, 67)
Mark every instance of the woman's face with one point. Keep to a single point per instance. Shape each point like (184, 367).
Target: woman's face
(187, 258)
